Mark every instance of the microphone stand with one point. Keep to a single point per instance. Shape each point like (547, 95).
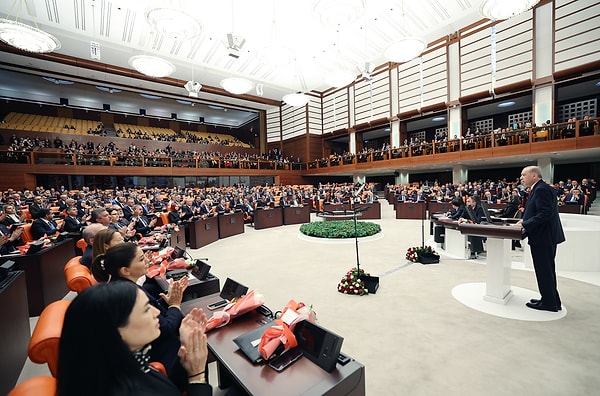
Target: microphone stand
(354, 215)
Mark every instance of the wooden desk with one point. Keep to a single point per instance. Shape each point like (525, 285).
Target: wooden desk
(373, 213)
(44, 275)
(231, 224)
(497, 288)
(302, 378)
(267, 218)
(196, 287)
(178, 238)
(415, 210)
(14, 329)
(438, 207)
(296, 215)
(203, 232)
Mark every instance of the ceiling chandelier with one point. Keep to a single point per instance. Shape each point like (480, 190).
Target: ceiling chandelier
(404, 50)
(504, 9)
(152, 66)
(237, 86)
(297, 99)
(27, 38)
(173, 23)
(336, 13)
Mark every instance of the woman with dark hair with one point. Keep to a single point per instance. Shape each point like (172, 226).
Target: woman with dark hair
(175, 214)
(103, 347)
(105, 239)
(458, 209)
(127, 262)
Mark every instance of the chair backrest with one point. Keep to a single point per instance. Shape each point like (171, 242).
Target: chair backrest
(40, 385)
(25, 211)
(82, 244)
(164, 217)
(43, 346)
(78, 277)
(73, 261)
(27, 236)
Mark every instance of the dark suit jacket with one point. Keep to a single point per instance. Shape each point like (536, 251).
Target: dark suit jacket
(142, 227)
(72, 225)
(540, 219)
(39, 228)
(8, 246)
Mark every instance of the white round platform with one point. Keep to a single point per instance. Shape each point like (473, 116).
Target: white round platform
(471, 295)
(336, 241)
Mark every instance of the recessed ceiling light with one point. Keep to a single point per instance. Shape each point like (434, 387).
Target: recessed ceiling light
(185, 102)
(148, 96)
(506, 104)
(109, 90)
(598, 83)
(438, 119)
(214, 107)
(57, 81)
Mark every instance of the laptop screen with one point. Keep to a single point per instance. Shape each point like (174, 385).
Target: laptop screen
(471, 214)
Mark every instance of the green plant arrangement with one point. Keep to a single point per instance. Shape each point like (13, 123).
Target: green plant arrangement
(422, 254)
(339, 229)
(352, 284)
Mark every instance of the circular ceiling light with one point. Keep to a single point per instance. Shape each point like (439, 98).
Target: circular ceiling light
(336, 13)
(504, 9)
(237, 86)
(297, 99)
(173, 23)
(339, 78)
(275, 55)
(27, 38)
(152, 66)
(404, 50)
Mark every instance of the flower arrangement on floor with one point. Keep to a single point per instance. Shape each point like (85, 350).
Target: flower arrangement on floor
(416, 254)
(352, 284)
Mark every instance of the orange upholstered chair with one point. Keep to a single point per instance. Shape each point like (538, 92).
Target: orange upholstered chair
(82, 244)
(43, 346)
(164, 217)
(78, 276)
(40, 385)
(27, 236)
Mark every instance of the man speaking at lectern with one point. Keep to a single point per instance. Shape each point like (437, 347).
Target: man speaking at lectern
(544, 231)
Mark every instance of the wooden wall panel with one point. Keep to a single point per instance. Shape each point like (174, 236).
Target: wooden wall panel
(577, 33)
(335, 111)
(273, 125)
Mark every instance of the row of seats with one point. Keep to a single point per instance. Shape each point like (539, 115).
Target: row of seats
(42, 123)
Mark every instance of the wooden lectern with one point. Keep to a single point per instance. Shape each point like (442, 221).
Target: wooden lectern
(498, 245)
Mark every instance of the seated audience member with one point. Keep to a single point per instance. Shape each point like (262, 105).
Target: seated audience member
(9, 240)
(104, 240)
(88, 234)
(248, 211)
(458, 209)
(142, 224)
(512, 207)
(72, 223)
(122, 325)
(475, 242)
(222, 208)
(100, 215)
(11, 216)
(175, 214)
(574, 197)
(586, 127)
(121, 224)
(36, 206)
(43, 225)
(127, 262)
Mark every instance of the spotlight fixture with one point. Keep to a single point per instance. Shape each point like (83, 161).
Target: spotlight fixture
(27, 38)
(504, 9)
(152, 66)
(234, 45)
(193, 87)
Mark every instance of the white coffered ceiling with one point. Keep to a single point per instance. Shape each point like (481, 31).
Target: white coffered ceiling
(121, 30)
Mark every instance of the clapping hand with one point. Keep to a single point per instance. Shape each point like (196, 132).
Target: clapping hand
(194, 350)
(175, 293)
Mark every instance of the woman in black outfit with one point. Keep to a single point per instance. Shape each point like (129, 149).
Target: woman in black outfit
(103, 347)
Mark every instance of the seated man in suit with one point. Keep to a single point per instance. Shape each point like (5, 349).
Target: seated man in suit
(73, 224)
(9, 240)
(89, 233)
(142, 224)
(43, 225)
(222, 208)
(11, 217)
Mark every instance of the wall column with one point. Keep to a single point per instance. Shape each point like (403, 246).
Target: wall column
(547, 166)
(359, 178)
(402, 177)
(460, 174)
(543, 92)
(352, 141)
